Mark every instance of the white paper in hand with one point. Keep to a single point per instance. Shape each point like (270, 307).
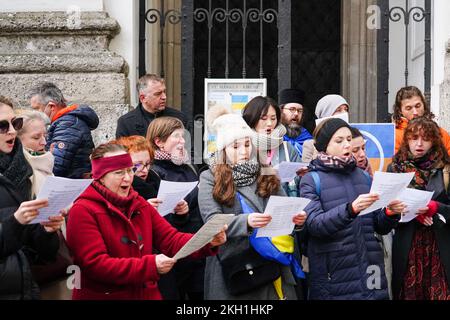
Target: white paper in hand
(61, 193)
(205, 234)
(170, 193)
(388, 186)
(287, 171)
(282, 210)
(414, 200)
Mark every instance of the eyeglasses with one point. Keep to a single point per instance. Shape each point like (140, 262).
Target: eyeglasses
(139, 167)
(123, 172)
(16, 123)
(294, 110)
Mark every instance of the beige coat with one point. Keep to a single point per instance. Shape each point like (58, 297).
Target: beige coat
(309, 151)
(42, 168)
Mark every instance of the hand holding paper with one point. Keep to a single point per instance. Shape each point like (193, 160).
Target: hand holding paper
(61, 193)
(388, 186)
(414, 200)
(210, 231)
(282, 210)
(171, 193)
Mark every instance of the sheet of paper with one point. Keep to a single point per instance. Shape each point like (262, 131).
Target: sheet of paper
(414, 200)
(388, 186)
(282, 210)
(344, 116)
(61, 193)
(170, 193)
(205, 234)
(287, 171)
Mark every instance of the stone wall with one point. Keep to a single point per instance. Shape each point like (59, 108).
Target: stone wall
(74, 54)
(445, 94)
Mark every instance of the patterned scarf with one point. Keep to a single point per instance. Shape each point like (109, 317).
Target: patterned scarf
(423, 168)
(163, 155)
(15, 167)
(335, 162)
(246, 173)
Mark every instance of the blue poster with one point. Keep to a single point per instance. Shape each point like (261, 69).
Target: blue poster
(380, 143)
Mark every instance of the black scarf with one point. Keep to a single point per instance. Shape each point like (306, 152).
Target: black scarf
(15, 168)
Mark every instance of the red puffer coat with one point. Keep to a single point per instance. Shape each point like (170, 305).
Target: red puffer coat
(115, 250)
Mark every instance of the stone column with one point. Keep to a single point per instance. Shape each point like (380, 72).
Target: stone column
(444, 117)
(359, 61)
(72, 52)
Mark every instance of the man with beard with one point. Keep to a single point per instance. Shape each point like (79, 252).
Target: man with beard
(291, 104)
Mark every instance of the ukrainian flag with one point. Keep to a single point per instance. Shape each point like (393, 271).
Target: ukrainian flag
(238, 102)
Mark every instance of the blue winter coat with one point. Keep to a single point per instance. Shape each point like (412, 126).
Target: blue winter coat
(72, 142)
(344, 251)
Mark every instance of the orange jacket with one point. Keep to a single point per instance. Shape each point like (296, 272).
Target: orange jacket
(400, 129)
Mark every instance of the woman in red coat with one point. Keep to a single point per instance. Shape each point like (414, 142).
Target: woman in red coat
(112, 233)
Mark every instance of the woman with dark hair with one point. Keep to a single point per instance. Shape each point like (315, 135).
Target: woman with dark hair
(359, 151)
(421, 255)
(263, 115)
(21, 243)
(343, 248)
(235, 184)
(113, 232)
(410, 103)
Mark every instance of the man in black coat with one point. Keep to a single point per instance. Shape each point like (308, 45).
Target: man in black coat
(152, 97)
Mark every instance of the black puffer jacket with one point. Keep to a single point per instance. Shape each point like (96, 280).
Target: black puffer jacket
(20, 244)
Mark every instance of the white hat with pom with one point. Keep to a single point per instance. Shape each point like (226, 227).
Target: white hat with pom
(227, 127)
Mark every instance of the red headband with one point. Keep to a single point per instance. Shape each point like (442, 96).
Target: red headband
(102, 166)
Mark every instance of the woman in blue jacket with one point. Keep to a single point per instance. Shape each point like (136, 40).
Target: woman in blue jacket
(345, 256)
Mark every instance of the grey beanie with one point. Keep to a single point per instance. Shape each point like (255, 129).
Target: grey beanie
(328, 105)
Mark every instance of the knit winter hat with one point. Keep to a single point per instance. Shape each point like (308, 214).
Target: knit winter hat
(226, 126)
(328, 105)
(292, 96)
(326, 132)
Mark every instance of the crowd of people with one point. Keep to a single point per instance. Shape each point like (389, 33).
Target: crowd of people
(123, 247)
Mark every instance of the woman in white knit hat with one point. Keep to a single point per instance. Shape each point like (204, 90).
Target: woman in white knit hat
(234, 184)
(328, 106)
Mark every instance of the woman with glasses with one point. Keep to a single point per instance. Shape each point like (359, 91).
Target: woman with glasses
(171, 162)
(113, 233)
(146, 181)
(21, 241)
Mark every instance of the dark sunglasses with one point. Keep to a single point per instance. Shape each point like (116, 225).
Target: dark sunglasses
(17, 124)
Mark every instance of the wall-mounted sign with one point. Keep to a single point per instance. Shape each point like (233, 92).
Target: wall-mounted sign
(232, 94)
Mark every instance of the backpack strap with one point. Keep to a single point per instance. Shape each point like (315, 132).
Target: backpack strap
(316, 179)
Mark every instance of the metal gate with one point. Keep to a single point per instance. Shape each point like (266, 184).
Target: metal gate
(291, 43)
(408, 15)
